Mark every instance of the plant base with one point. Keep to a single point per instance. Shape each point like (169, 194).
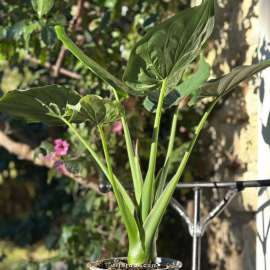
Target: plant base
(121, 263)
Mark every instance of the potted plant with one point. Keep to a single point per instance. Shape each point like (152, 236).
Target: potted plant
(154, 71)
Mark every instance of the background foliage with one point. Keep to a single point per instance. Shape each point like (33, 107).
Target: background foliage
(47, 218)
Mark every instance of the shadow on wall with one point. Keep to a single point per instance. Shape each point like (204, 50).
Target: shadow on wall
(265, 228)
(263, 214)
(265, 54)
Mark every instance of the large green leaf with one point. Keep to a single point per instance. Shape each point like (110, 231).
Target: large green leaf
(181, 91)
(121, 88)
(167, 49)
(42, 6)
(97, 109)
(221, 86)
(41, 104)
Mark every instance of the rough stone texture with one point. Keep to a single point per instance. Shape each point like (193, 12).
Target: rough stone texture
(232, 136)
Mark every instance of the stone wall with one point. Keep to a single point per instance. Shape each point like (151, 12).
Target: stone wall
(231, 133)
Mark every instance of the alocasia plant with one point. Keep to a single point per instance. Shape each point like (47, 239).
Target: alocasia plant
(154, 71)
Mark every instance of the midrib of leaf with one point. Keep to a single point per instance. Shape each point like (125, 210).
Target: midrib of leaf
(229, 83)
(112, 114)
(255, 71)
(50, 96)
(174, 60)
(165, 47)
(152, 61)
(93, 111)
(186, 42)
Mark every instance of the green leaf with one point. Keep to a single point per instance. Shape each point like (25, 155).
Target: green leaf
(138, 182)
(74, 166)
(167, 49)
(28, 29)
(221, 86)
(67, 233)
(48, 36)
(50, 175)
(97, 109)
(16, 30)
(42, 6)
(45, 148)
(181, 91)
(120, 87)
(136, 250)
(41, 104)
(153, 220)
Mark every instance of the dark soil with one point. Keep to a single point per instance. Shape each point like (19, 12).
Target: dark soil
(123, 265)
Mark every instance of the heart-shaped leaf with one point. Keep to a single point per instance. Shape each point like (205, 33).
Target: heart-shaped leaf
(167, 49)
(96, 109)
(41, 104)
(120, 87)
(221, 86)
(181, 91)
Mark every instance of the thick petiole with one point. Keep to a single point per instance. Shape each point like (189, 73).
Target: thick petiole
(148, 188)
(138, 184)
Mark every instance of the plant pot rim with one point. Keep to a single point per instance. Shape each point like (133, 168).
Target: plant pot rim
(177, 263)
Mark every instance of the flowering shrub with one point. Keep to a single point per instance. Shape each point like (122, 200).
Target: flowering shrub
(61, 148)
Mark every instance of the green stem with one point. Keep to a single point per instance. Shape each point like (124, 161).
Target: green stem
(107, 159)
(198, 129)
(153, 220)
(138, 183)
(148, 188)
(102, 166)
(167, 162)
(93, 153)
(135, 246)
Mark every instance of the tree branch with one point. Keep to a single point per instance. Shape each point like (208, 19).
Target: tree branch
(61, 55)
(53, 67)
(25, 152)
(59, 61)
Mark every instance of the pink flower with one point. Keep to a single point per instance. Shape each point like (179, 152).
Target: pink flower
(61, 147)
(117, 127)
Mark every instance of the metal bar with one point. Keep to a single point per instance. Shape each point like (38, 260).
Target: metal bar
(196, 249)
(239, 184)
(106, 186)
(180, 209)
(215, 212)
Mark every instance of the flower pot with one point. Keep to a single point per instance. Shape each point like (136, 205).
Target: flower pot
(117, 263)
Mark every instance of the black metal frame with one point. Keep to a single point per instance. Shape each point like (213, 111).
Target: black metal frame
(197, 226)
